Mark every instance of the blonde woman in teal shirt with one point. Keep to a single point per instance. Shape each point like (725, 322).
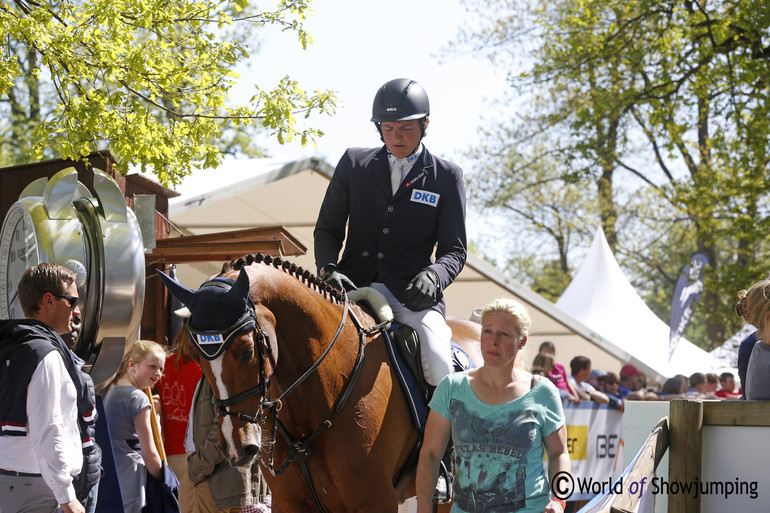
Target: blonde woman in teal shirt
(503, 421)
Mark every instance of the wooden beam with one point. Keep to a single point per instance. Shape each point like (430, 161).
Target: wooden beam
(225, 246)
(736, 413)
(291, 245)
(685, 457)
(213, 251)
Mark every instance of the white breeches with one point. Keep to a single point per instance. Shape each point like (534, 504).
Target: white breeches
(432, 330)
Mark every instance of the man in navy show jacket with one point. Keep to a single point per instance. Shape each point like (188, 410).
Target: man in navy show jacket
(391, 236)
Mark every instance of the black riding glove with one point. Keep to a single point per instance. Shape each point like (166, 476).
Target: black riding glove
(336, 279)
(423, 290)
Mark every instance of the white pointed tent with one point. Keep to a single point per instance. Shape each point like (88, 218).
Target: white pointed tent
(602, 298)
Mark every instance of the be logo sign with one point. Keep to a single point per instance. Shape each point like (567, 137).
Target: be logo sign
(425, 197)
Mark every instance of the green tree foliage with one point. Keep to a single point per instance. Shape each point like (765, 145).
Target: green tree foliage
(532, 196)
(21, 107)
(148, 79)
(657, 111)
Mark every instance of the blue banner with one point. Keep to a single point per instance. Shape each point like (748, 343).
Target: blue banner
(687, 292)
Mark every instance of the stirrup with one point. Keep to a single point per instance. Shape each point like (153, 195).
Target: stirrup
(443, 492)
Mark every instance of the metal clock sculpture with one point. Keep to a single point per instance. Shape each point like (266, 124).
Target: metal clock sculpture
(98, 237)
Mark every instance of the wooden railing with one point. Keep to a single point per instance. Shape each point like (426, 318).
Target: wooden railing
(687, 419)
(681, 433)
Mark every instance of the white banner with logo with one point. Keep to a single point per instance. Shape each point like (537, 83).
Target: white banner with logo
(594, 440)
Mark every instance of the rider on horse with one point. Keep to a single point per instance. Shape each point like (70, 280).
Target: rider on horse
(398, 203)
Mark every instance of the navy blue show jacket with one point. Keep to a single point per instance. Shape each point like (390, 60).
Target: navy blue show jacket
(391, 238)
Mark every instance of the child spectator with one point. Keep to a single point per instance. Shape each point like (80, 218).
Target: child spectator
(581, 371)
(612, 390)
(674, 388)
(598, 379)
(712, 382)
(631, 388)
(541, 364)
(558, 374)
(697, 384)
(128, 411)
(699, 387)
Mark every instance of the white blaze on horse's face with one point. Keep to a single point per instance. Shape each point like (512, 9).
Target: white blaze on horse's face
(228, 429)
(227, 422)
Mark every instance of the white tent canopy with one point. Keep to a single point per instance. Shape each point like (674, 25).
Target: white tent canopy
(602, 298)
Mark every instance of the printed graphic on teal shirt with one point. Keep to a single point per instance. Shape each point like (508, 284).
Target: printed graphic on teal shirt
(497, 449)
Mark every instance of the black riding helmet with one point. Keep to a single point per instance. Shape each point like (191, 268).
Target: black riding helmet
(400, 99)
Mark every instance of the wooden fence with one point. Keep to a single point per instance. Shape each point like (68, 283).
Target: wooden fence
(681, 433)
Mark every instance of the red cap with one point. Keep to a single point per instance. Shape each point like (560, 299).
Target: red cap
(629, 370)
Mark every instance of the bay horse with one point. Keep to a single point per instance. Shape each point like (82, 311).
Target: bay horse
(303, 381)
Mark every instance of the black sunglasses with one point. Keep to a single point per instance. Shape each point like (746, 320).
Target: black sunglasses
(72, 300)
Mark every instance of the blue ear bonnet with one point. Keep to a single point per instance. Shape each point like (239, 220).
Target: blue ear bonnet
(220, 310)
(218, 317)
(212, 308)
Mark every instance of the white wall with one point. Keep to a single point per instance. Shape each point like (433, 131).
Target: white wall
(639, 419)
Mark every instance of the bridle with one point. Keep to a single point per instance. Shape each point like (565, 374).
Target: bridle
(261, 341)
(299, 449)
(211, 344)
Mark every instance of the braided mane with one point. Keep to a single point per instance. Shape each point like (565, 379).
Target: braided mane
(303, 275)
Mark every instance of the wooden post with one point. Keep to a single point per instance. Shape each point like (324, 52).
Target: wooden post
(686, 437)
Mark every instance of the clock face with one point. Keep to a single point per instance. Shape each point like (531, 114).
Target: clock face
(97, 236)
(18, 252)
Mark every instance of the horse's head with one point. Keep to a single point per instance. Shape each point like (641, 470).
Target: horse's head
(235, 354)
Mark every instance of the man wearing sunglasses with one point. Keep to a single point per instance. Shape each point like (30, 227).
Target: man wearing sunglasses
(43, 397)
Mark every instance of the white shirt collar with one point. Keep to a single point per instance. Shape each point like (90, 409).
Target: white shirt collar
(408, 161)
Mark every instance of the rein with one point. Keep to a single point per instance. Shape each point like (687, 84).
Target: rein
(299, 449)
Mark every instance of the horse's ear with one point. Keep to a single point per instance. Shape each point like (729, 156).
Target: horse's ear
(242, 285)
(176, 289)
(183, 312)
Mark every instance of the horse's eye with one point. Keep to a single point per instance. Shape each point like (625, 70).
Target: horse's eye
(248, 354)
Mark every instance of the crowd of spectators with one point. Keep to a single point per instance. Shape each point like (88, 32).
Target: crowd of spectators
(586, 383)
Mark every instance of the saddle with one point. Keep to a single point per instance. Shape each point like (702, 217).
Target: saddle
(404, 348)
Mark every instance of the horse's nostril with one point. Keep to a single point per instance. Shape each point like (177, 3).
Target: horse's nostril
(250, 451)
